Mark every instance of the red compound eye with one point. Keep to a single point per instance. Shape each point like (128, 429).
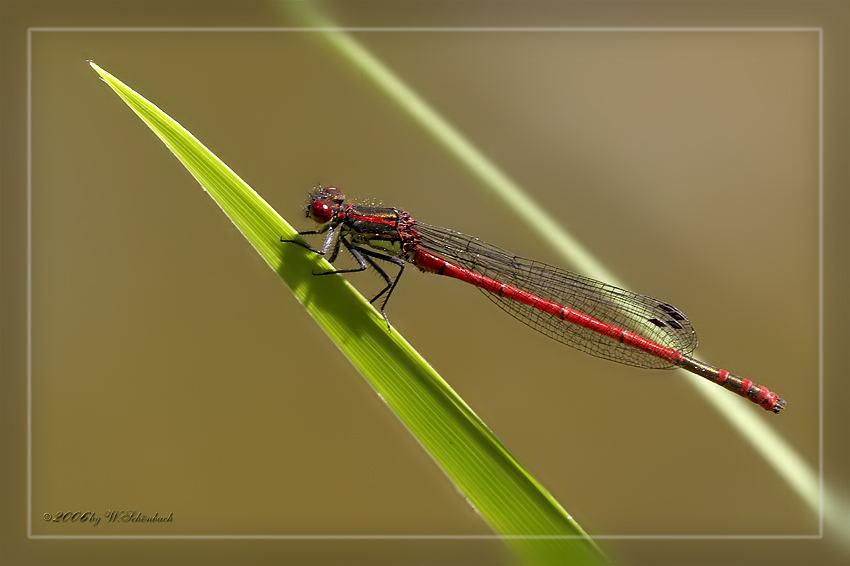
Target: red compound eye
(321, 212)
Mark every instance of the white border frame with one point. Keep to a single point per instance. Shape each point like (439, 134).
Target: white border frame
(819, 31)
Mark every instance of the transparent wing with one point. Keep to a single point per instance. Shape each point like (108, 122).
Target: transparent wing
(647, 317)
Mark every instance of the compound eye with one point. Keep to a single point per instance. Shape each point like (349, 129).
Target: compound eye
(320, 212)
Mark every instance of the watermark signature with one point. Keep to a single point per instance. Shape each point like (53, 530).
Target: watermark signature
(111, 516)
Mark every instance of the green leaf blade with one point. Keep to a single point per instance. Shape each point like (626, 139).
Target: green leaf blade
(496, 484)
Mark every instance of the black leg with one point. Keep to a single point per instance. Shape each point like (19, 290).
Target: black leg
(365, 258)
(362, 264)
(327, 244)
(391, 283)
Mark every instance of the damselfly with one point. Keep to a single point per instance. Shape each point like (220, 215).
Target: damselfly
(591, 316)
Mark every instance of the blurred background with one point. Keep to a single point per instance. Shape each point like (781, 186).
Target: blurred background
(173, 372)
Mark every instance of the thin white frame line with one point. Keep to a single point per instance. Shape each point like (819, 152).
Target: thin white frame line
(427, 29)
(430, 537)
(29, 284)
(820, 284)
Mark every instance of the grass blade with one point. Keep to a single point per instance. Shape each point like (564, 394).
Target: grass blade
(505, 494)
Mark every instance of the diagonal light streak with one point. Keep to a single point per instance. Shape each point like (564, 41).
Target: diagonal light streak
(786, 462)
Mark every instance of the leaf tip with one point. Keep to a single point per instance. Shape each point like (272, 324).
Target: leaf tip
(103, 74)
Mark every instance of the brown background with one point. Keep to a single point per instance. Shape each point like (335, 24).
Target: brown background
(173, 372)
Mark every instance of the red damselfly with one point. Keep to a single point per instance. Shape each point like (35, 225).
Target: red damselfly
(591, 316)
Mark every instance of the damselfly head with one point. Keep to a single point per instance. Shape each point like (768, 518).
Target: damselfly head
(324, 204)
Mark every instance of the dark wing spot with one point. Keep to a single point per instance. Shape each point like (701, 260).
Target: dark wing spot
(657, 322)
(674, 324)
(672, 311)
